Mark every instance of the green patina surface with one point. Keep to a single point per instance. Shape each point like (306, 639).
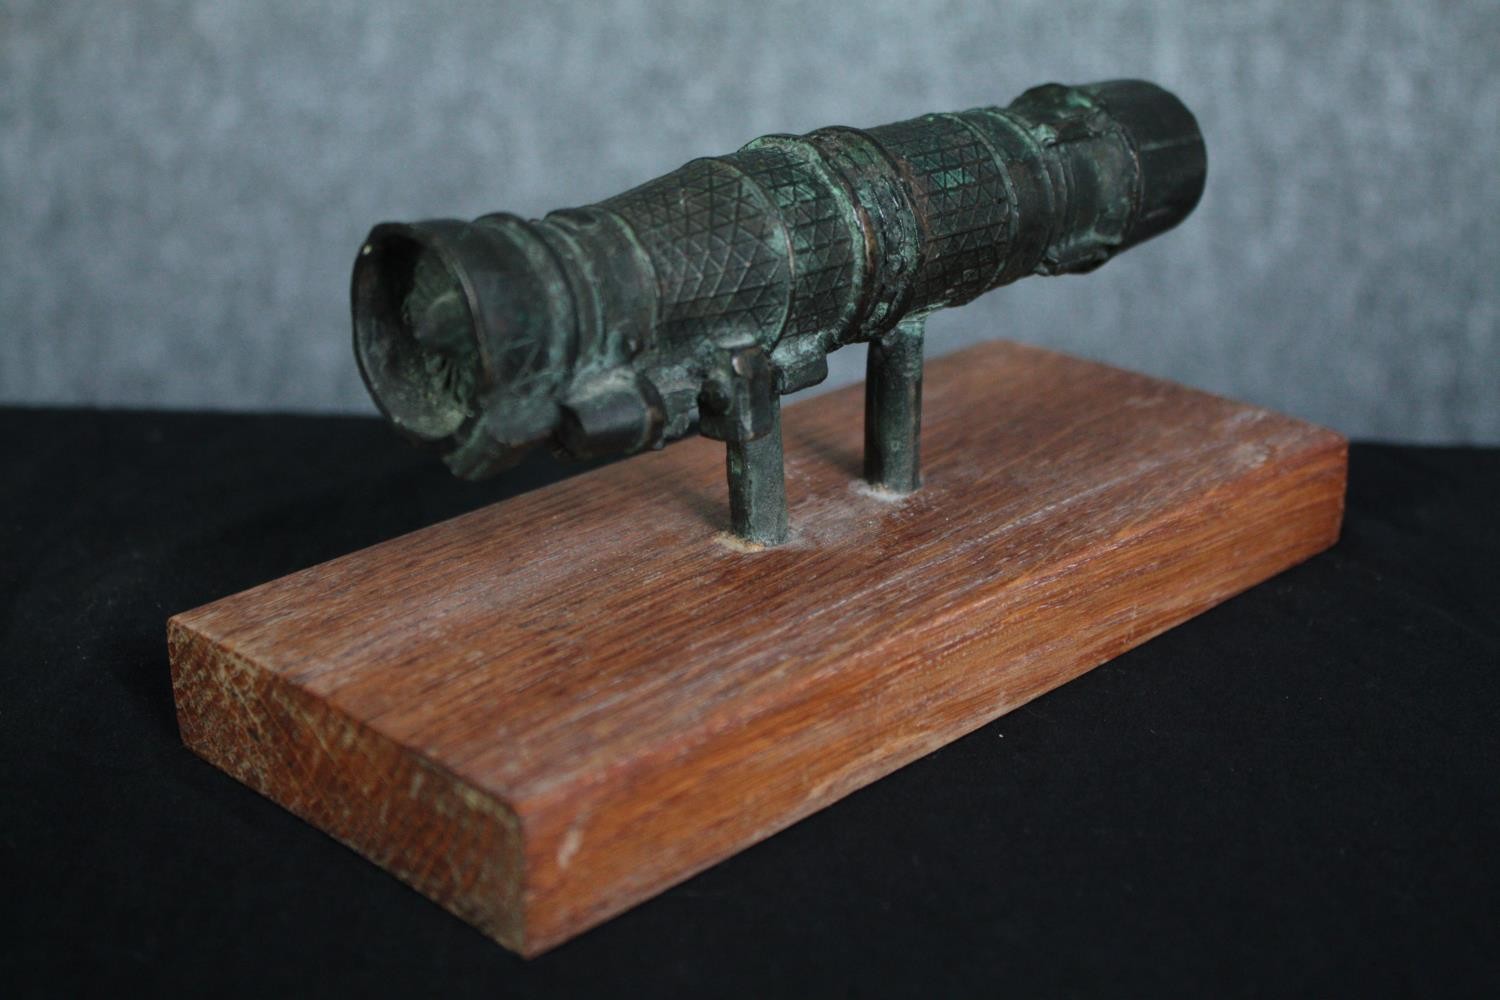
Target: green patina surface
(704, 295)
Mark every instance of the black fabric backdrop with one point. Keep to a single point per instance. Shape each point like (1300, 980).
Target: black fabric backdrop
(1296, 792)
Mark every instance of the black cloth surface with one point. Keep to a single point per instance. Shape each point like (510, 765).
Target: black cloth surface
(1298, 791)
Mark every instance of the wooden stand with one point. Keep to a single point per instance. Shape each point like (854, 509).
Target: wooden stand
(545, 711)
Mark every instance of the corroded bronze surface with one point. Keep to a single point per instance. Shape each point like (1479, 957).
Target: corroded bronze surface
(707, 293)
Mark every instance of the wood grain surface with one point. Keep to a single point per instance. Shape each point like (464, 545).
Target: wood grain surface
(547, 710)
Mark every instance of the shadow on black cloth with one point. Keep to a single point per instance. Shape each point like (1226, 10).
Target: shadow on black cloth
(1298, 791)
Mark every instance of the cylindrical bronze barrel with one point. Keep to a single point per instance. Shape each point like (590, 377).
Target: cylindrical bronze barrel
(598, 327)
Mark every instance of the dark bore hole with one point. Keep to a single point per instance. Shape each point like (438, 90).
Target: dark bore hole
(414, 336)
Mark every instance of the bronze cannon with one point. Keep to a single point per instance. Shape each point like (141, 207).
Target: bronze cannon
(704, 295)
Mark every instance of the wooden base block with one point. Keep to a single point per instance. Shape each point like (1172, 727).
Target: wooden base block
(545, 711)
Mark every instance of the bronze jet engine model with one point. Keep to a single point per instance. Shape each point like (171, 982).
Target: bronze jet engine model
(704, 295)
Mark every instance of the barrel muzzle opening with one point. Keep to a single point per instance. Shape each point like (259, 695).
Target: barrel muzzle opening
(414, 333)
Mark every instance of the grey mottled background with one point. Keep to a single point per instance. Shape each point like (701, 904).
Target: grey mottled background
(183, 184)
